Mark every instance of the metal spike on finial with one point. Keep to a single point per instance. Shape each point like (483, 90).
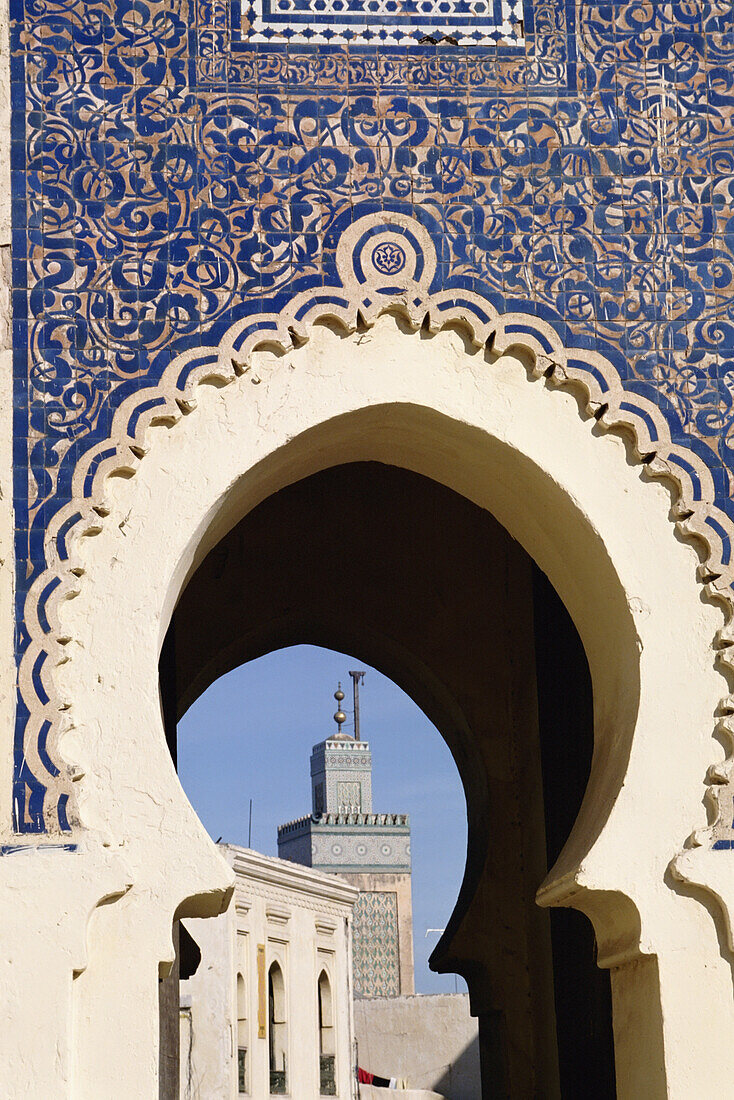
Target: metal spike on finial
(357, 679)
(340, 717)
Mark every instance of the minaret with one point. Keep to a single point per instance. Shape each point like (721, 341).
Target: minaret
(341, 771)
(369, 850)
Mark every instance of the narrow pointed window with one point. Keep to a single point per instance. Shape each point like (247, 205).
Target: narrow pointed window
(327, 1037)
(242, 1066)
(277, 1032)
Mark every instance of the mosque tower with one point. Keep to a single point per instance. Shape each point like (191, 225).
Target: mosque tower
(343, 836)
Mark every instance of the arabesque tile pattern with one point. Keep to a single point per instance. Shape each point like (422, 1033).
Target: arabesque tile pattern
(177, 165)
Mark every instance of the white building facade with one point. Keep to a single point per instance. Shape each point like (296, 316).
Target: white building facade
(269, 1009)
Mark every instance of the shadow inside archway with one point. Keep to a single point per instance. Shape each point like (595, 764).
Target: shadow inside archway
(447, 605)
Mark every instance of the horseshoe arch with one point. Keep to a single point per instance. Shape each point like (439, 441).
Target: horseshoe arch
(379, 370)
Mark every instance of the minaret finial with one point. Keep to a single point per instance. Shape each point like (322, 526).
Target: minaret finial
(340, 717)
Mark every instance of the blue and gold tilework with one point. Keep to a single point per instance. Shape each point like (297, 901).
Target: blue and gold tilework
(178, 165)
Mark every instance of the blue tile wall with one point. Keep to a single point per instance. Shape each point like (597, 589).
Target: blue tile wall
(178, 165)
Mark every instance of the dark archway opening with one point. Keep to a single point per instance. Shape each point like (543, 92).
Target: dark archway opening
(582, 992)
(447, 605)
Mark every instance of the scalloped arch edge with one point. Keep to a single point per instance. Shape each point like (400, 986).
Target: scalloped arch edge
(591, 376)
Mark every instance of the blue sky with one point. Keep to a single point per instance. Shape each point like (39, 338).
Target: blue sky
(250, 736)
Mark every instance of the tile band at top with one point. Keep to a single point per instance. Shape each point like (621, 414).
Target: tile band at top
(394, 22)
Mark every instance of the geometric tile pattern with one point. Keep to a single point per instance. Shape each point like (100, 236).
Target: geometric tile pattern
(360, 849)
(375, 945)
(171, 174)
(360, 21)
(349, 798)
(342, 764)
(348, 842)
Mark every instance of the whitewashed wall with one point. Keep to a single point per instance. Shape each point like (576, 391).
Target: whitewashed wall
(302, 919)
(432, 1041)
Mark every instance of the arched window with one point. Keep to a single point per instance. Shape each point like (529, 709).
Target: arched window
(327, 1037)
(241, 1034)
(277, 1031)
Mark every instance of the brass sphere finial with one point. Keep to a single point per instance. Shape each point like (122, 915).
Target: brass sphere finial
(340, 717)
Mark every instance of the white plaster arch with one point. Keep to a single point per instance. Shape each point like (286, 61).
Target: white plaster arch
(439, 405)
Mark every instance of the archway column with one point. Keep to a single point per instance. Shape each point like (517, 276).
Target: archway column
(116, 1000)
(48, 896)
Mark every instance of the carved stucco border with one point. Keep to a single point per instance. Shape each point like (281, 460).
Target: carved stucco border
(355, 305)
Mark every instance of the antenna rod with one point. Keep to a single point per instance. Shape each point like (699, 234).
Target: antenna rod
(357, 679)
(249, 831)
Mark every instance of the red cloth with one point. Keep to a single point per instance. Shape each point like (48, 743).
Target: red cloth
(366, 1078)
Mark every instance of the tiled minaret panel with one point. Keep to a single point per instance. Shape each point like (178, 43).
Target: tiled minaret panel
(341, 777)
